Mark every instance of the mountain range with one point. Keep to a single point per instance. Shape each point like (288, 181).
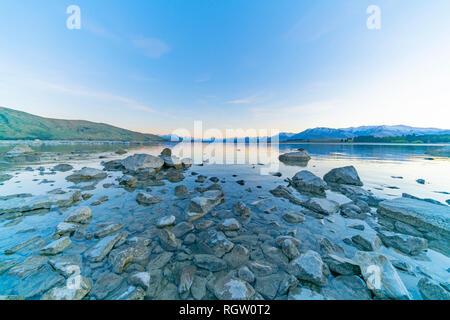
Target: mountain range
(363, 131)
(18, 125)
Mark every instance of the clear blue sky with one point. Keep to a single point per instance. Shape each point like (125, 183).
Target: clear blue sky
(155, 66)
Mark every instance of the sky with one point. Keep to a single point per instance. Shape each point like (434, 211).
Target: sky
(157, 66)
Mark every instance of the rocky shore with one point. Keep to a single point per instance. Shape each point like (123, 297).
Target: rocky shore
(157, 227)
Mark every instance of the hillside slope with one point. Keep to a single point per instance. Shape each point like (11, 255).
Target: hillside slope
(21, 125)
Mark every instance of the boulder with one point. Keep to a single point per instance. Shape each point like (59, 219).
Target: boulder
(297, 156)
(98, 252)
(344, 175)
(232, 288)
(139, 162)
(200, 206)
(215, 242)
(230, 224)
(293, 217)
(80, 215)
(322, 206)
(241, 209)
(63, 167)
(56, 246)
(307, 182)
(341, 265)
(366, 241)
(381, 277)
(209, 262)
(309, 267)
(147, 199)
(165, 221)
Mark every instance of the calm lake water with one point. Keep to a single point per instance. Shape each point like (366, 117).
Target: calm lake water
(386, 170)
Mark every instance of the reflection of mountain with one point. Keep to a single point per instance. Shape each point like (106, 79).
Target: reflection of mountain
(364, 131)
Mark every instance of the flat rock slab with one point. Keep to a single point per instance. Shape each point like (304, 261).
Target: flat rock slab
(420, 214)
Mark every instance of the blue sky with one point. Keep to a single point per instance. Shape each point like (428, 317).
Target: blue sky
(155, 66)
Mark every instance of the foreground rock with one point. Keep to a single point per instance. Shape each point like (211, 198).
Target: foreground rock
(322, 206)
(200, 206)
(344, 175)
(63, 167)
(381, 277)
(407, 244)
(309, 267)
(431, 290)
(86, 174)
(102, 248)
(231, 288)
(56, 247)
(306, 181)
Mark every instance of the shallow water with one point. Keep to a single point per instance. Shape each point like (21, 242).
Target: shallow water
(376, 164)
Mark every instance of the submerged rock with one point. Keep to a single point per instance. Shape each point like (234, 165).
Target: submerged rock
(21, 153)
(147, 199)
(341, 265)
(98, 252)
(209, 262)
(86, 174)
(293, 217)
(80, 215)
(431, 290)
(63, 167)
(56, 247)
(344, 175)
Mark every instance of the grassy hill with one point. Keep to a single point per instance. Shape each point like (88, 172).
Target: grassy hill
(16, 125)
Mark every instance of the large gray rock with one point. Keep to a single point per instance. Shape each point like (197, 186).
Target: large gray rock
(147, 199)
(407, 244)
(231, 288)
(309, 267)
(381, 277)
(200, 206)
(98, 252)
(341, 265)
(344, 175)
(209, 262)
(56, 246)
(322, 206)
(215, 242)
(239, 256)
(39, 282)
(86, 174)
(417, 213)
(367, 241)
(28, 266)
(306, 181)
(138, 162)
(297, 156)
(268, 286)
(63, 167)
(80, 215)
(172, 162)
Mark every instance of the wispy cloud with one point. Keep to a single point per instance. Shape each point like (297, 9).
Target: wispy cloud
(127, 102)
(256, 98)
(151, 47)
